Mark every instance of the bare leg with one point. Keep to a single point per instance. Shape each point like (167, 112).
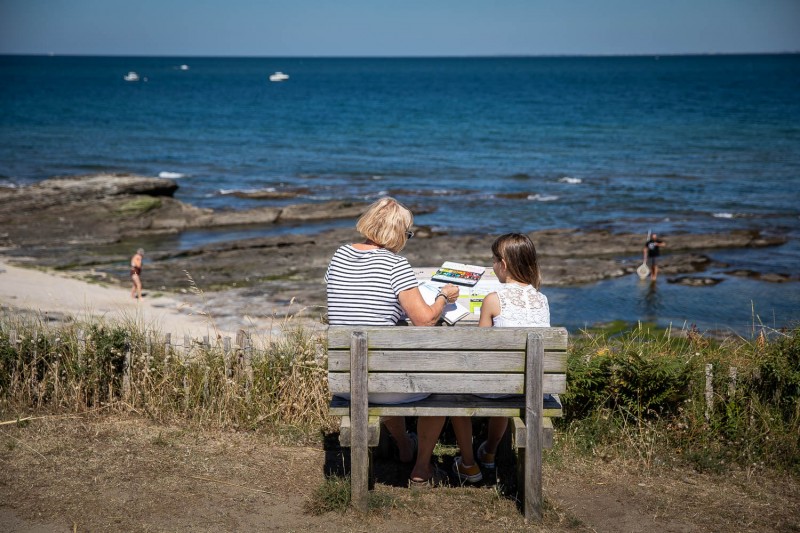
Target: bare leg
(462, 427)
(428, 430)
(397, 429)
(655, 272)
(497, 428)
(137, 287)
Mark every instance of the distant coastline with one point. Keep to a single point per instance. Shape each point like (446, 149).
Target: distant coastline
(473, 56)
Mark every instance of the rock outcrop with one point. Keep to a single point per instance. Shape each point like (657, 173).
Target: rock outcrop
(69, 223)
(109, 208)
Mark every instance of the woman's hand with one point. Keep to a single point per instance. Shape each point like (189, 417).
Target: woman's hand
(422, 314)
(450, 292)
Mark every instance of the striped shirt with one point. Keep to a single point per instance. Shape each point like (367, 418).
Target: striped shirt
(363, 287)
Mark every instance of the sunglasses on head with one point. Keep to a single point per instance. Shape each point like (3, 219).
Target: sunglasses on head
(409, 234)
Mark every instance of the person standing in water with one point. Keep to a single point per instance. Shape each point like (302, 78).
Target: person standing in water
(651, 251)
(136, 273)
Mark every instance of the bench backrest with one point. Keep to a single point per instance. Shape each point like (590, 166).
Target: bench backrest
(446, 360)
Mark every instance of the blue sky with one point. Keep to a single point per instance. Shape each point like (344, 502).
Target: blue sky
(397, 28)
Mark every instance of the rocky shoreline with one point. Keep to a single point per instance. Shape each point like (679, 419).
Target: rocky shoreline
(89, 225)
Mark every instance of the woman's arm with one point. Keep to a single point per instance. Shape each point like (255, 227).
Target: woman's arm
(490, 308)
(422, 314)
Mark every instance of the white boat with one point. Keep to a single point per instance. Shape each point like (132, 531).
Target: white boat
(278, 76)
(184, 67)
(131, 76)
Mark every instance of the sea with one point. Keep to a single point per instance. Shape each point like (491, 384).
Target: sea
(478, 145)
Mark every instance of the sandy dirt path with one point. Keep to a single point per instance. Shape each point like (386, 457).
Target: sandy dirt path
(48, 292)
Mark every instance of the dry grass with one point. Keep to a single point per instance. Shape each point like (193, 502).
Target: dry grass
(277, 383)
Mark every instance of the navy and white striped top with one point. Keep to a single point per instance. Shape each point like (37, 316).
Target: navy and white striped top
(363, 286)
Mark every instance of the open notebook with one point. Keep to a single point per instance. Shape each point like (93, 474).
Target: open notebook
(452, 312)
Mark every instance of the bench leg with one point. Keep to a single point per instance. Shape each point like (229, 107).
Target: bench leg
(359, 447)
(346, 439)
(534, 370)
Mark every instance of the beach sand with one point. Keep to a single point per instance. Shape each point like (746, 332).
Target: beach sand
(54, 293)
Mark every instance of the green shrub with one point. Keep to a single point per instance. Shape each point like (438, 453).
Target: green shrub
(623, 389)
(641, 375)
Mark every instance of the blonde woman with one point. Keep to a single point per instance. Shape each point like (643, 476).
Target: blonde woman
(369, 283)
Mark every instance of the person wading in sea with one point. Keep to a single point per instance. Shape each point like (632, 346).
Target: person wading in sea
(651, 251)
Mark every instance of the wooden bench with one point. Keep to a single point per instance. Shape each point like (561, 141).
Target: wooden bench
(452, 363)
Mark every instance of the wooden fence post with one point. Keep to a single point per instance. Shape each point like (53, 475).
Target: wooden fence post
(240, 339)
(81, 345)
(13, 340)
(56, 377)
(126, 371)
(187, 346)
(709, 391)
(248, 364)
(34, 378)
(226, 356)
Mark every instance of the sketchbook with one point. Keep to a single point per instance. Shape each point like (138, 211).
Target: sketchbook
(452, 312)
(458, 273)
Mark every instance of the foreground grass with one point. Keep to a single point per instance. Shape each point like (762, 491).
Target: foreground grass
(275, 384)
(640, 394)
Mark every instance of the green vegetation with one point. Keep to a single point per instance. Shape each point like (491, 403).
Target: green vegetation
(334, 495)
(645, 393)
(637, 394)
(138, 206)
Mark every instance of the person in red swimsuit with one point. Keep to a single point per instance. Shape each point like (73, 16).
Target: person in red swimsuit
(136, 272)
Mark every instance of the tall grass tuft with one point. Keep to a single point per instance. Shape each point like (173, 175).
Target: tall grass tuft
(280, 384)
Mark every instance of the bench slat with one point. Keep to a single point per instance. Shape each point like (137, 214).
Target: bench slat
(454, 405)
(447, 361)
(447, 383)
(455, 338)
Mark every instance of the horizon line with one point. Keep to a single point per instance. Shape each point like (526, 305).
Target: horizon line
(390, 56)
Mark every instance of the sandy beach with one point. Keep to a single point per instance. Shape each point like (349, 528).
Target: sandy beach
(60, 295)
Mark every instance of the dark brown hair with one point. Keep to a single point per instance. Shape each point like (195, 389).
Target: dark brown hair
(519, 254)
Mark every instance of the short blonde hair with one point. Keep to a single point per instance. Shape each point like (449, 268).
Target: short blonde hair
(385, 223)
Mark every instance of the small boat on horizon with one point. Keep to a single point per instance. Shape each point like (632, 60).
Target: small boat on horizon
(184, 67)
(278, 76)
(131, 76)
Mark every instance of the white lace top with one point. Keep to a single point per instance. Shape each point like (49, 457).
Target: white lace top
(522, 306)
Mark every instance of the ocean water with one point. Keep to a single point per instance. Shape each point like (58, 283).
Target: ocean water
(671, 144)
